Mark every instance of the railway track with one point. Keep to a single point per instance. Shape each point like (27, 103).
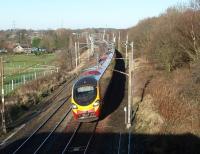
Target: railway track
(63, 109)
(34, 142)
(61, 90)
(81, 138)
(44, 105)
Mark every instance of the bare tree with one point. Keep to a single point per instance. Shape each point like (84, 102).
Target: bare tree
(195, 4)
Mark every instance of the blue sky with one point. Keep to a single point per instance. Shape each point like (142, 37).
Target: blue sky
(52, 14)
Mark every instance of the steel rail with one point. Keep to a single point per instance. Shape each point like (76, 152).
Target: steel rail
(61, 90)
(73, 135)
(41, 145)
(129, 142)
(55, 96)
(119, 146)
(71, 138)
(91, 137)
(41, 125)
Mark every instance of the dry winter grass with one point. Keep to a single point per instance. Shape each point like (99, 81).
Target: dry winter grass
(173, 96)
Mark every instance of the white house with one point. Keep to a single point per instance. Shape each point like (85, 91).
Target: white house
(3, 51)
(22, 49)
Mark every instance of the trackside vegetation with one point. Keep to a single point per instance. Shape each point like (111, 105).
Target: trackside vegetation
(170, 105)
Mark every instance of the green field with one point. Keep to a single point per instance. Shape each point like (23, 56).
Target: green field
(18, 67)
(13, 64)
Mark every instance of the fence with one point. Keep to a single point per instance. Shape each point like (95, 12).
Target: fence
(11, 83)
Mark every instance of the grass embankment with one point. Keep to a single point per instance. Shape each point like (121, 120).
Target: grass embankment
(168, 113)
(25, 96)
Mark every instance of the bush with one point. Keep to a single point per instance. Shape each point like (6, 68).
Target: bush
(171, 40)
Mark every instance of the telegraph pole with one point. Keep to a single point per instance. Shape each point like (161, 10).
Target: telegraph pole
(2, 98)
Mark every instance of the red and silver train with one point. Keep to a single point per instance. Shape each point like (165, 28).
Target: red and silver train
(86, 95)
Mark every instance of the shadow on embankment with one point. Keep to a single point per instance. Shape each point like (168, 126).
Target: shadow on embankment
(116, 88)
(108, 143)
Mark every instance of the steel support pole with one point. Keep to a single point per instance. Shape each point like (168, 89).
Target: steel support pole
(104, 32)
(76, 59)
(126, 51)
(108, 37)
(113, 37)
(92, 46)
(130, 87)
(2, 98)
(79, 55)
(125, 113)
(24, 79)
(119, 43)
(12, 85)
(129, 93)
(97, 59)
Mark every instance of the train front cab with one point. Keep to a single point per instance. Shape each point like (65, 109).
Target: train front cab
(86, 102)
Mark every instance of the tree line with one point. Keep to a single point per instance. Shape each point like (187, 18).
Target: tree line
(172, 39)
(48, 39)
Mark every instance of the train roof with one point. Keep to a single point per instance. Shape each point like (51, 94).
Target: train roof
(87, 80)
(93, 74)
(94, 68)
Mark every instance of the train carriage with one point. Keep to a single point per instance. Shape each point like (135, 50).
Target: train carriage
(86, 94)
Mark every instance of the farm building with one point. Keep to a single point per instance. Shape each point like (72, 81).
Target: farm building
(3, 51)
(22, 49)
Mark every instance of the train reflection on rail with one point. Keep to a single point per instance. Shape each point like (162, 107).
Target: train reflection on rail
(86, 92)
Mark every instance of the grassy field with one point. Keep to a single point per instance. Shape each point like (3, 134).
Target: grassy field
(18, 67)
(20, 63)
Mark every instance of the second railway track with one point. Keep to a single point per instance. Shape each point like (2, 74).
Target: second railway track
(41, 117)
(33, 143)
(81, 138)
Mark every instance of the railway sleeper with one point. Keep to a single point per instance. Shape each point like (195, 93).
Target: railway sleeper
(76, 149)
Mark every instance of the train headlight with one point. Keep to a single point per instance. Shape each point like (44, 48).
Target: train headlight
(97, 103)
(74, 106)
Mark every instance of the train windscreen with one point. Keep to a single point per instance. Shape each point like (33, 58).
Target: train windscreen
(85, 95)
